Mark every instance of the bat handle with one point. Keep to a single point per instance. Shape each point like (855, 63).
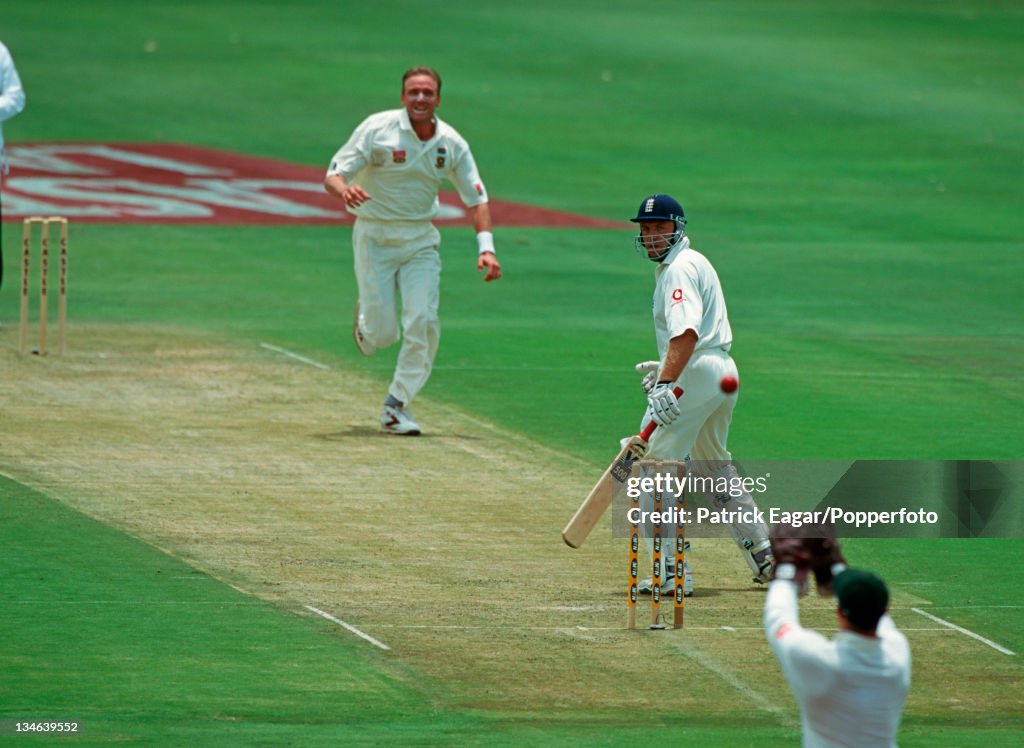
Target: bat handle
(649, 428)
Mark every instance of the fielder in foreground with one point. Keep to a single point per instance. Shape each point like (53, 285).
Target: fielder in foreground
(388, 175)
(850, 689)
(694, 337)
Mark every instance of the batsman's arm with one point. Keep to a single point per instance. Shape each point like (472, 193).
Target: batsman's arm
(680, 350)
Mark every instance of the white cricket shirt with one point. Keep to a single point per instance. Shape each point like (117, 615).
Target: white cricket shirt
(850, 689)
(688, 296)
(402, 173)
(12, 96)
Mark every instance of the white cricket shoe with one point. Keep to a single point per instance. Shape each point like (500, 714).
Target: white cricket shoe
(398, 421)
(646, 586)
(365, 346)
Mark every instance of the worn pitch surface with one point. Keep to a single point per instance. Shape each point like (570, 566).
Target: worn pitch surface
(269, 473)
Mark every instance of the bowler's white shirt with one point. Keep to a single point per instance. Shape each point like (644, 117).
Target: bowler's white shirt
(850, 689)
(402, 173)
(688, 296)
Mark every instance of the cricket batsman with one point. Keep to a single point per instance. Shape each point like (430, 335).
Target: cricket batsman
(693, 335)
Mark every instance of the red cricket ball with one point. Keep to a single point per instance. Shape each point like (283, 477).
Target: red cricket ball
(729, 385)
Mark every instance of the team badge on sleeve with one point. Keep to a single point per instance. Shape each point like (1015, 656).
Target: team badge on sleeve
(783, 630)
(398, 157)
(479, 189)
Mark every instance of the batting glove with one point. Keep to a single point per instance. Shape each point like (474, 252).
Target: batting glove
(650, 371)
(663, 404)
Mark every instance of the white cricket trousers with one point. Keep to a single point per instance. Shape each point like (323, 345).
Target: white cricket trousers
(400, 259)
(702, 432)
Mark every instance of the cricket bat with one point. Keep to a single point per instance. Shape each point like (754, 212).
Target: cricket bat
(601, 495)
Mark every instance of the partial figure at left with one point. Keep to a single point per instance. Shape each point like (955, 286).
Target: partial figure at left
(12, 101)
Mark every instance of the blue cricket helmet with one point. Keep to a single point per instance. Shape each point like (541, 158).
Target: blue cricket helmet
(660, 208)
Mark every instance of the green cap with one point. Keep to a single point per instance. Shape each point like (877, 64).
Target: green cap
(862, 596)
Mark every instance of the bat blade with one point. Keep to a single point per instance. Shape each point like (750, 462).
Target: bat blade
(601, 495)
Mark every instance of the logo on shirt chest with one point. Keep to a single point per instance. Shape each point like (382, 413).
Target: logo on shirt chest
(442, 155)
(398, 157)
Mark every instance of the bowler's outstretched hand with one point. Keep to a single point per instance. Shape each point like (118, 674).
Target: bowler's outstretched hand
(354, 196)
(489, 261)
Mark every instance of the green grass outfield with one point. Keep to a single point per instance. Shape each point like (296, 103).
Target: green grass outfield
(853, 171)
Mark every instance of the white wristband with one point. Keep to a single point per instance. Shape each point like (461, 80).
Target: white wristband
(786, 571)
(485, 242)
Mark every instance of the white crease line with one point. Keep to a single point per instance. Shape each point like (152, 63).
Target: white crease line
(705, 660)
(296, 356)
(524, 627)
(574, 633)
(967, 632)
(348, 627)
(975, 607)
